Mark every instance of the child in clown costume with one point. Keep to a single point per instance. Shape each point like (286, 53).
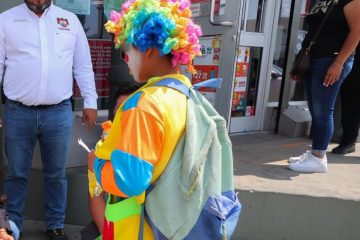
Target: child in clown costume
(96, 195)
(157, 36)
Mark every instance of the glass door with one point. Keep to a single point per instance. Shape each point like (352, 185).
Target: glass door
(251, 64)
(219, 20)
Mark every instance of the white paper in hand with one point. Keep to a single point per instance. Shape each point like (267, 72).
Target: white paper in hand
(81, 143)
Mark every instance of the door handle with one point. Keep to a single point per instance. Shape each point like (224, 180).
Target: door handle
(212, 15)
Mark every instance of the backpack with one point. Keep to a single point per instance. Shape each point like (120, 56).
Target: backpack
(202, 204)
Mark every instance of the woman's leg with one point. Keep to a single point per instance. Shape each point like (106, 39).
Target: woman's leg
(323, 102)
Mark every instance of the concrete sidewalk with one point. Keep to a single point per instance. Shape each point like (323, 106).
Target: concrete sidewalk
(278, 203)
(260, 164)
(282, 204)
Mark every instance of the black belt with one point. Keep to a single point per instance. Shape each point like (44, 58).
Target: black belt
(41, 106)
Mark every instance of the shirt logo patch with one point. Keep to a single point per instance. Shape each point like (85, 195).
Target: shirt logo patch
(21, 20)
(64, 23)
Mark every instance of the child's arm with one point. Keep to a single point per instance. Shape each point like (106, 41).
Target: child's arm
(97, 210)
(130, 169)
(94, 187)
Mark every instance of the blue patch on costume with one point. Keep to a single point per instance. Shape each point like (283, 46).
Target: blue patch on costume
(132, 174)
(98, 165)
(132, 102)
(174, 84)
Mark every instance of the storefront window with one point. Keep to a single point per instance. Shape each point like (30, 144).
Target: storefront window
(297, 91)
(254, 17)
(279, 59)
(285, 51)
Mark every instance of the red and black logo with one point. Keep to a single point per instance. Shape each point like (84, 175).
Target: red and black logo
(63, 22)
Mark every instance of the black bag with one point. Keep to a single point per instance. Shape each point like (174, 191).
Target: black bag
(302, 63)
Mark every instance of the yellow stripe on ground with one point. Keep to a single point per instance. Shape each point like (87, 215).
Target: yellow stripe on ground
(291, 145)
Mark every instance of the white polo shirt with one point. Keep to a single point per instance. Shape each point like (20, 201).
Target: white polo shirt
(40, 56)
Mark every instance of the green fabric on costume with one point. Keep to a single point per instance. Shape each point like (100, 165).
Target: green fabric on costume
(115, 212)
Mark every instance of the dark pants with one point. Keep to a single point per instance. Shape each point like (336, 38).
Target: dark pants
(350, 103)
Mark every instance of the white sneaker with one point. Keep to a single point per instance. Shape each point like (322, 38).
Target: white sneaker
(310, 164)
(299, 158)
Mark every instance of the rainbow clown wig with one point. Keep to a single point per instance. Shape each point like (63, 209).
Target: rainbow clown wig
(162, 24)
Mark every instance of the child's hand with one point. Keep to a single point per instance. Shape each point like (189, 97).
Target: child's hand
(91, 159)
(4, 235)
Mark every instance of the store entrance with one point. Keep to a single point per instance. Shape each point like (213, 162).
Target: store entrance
(252, 65)
(235, 47)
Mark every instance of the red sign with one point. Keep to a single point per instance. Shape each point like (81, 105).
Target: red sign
(204, 73)
(100, 57)
(242, 69)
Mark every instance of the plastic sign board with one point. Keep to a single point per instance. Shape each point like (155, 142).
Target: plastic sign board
(79, 7)
(100, 57)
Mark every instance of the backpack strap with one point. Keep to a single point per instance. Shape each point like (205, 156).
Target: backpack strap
(174, 84)
(181, 87)
(142, 220)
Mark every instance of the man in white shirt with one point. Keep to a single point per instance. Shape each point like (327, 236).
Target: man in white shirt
(42, 48)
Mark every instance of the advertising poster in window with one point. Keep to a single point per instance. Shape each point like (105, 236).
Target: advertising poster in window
(207, 65)
(100, 56)
(239, 101)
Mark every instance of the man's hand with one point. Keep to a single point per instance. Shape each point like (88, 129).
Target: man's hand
(89, 118)
(91, 160)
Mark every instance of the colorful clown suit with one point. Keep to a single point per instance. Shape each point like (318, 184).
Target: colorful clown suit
(144, 134)
(94, 188)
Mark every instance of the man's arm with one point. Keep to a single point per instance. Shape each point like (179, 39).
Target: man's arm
(2, 49)
(2, 53)
(84, 76)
